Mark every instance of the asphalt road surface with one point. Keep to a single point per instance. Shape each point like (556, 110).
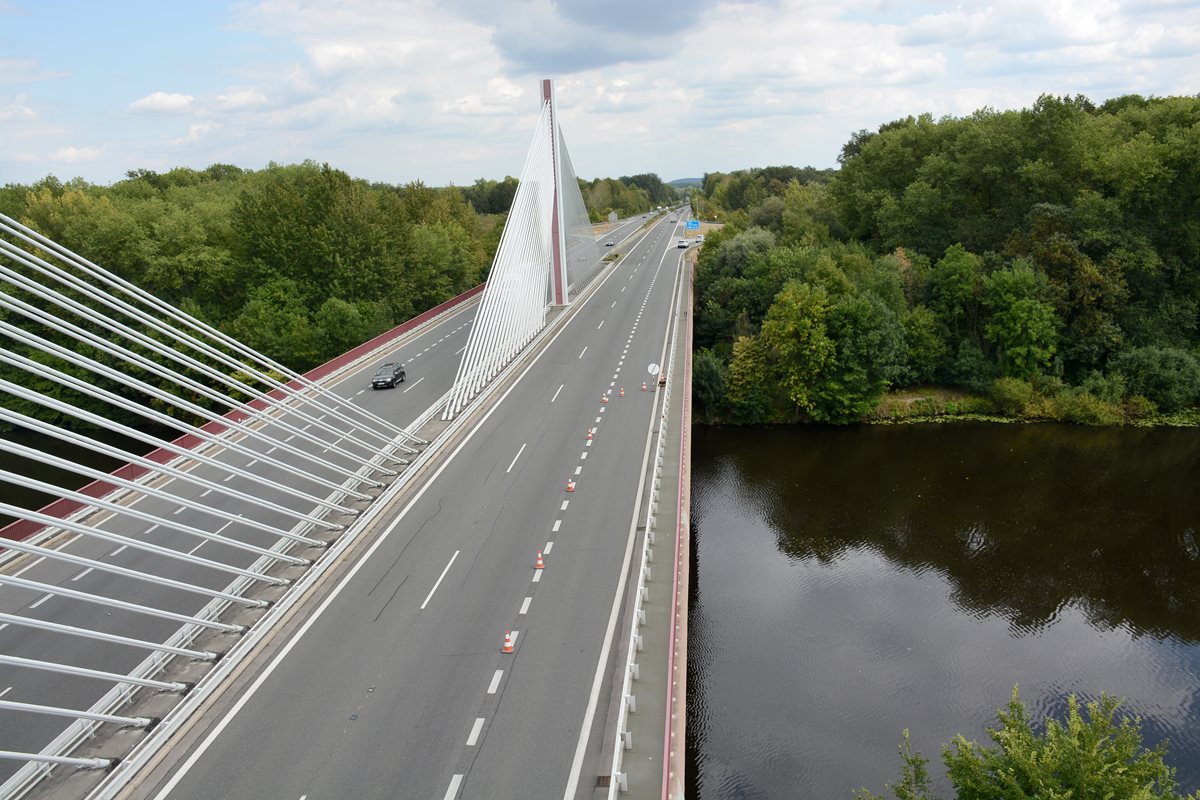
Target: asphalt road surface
(396, 687)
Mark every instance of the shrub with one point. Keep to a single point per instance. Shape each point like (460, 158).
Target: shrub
(1167, 375)
(1137, 407)
(928, 407)
(1082, 408)
(1011, 395)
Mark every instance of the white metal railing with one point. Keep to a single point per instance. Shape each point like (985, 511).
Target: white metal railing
(632, 672)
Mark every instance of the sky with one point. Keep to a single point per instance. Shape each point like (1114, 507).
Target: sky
(447, 92)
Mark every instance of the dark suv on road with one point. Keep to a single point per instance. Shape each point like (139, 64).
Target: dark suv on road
(388, 375)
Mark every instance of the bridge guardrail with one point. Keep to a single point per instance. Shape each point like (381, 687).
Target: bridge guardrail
(628, 704)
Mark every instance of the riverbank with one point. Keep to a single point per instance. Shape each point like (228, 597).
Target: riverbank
(1011, 403)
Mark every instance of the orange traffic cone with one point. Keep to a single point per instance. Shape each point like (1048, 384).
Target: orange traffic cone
(643, 386)
(539, 564)
(604, 398)
(589, 434)
(622, 391)
(508, 643)
(570, 485)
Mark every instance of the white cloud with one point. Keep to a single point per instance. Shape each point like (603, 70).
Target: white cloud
(196, 132)
(162, 101)
(238, 99)
(17, 110)
(74, 155)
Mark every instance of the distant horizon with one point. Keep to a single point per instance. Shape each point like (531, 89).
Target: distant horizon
(449, 92)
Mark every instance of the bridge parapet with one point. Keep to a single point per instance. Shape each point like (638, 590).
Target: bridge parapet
(647, 709)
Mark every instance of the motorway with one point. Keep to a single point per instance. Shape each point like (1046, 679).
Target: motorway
(431, 357)
(396, 686)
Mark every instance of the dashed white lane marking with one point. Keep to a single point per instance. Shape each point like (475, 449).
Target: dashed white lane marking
(525, 605)
(557, 525)
(615, 374)
(537, 576)
(152, 528)
(583, 455)
(207, 492)
(495, 684)
(560, 388)
(614, 383)
(252, 463)
(6, 691)
(603, 409)
(118, 551)
(288, 439)
(197, 547)
(597, 419)
(176, 511)
(360, 391)
(549, 547)
(588, 443)
(584, 350)
(414, 384)
(37, 603)
(475, 731)
(439, 580)
(272, 450)
(601, 325)
(622, 288)
(614, 305)
(578, 470)
(227, 478)
(80, 575)
(452, 791)
(518, 455)
(459, 350)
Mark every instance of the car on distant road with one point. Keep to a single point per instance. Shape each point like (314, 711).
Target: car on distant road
(609, 243)
(682, 243)
(388, 375)
(700, 237)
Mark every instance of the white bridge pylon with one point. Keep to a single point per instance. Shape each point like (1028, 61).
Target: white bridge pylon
(547, 249)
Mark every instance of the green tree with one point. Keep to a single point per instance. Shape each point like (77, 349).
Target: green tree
(794, 334)
(1168, 376)
(1020, 324)
(954, 286)
(925, 346)
(869, 355)
(1091, 754)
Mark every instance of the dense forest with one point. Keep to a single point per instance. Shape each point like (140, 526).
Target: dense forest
(301, 262)
(627, 195)
(1044, 262)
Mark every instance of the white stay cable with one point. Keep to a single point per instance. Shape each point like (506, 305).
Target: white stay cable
(34, 238)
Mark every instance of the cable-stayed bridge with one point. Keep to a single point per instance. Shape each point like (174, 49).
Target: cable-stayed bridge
(311, 593)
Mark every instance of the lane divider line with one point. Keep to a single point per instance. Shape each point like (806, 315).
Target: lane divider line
(439, 580)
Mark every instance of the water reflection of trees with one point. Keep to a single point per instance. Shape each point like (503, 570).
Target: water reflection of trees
(1022, 519)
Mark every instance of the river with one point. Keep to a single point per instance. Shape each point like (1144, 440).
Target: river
(850, 583)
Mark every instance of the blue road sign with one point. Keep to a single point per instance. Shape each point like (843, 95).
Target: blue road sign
(693, 224)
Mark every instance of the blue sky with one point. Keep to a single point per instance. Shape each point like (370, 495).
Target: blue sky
(447, 91)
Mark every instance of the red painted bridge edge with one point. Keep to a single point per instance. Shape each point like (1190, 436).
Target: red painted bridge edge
(61, 508)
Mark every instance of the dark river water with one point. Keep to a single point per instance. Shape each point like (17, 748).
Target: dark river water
(850, 583)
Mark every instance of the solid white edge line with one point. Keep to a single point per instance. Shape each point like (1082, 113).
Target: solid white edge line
(514, 461)
(439, 580)
(594, 698)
